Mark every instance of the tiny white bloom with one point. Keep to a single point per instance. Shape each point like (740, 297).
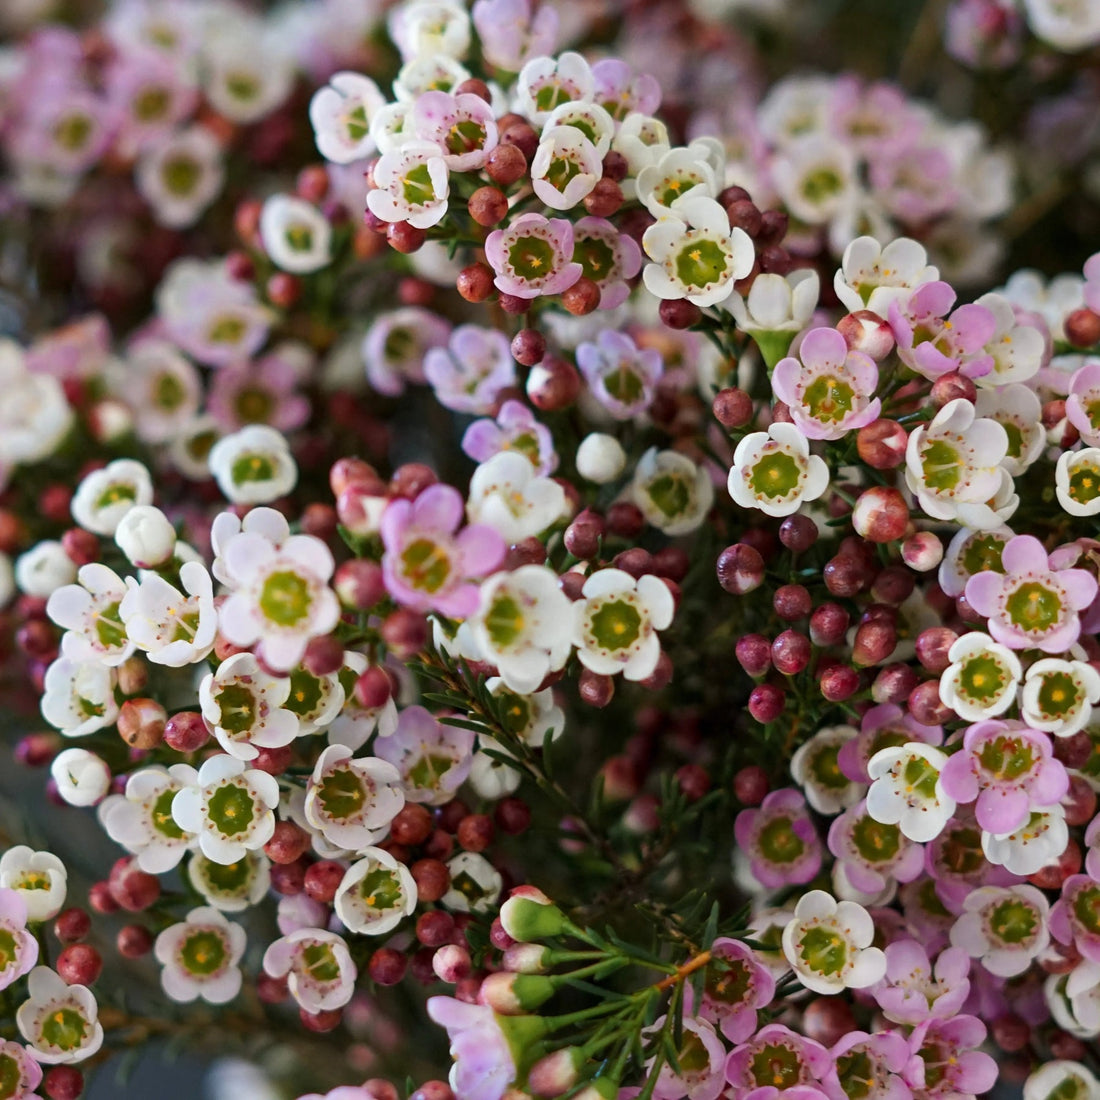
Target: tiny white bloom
(375, 894)
(351, 802)
(180, 174)
(317, 966)
(246, 707)
(35, 416)
(1077, 481)
(775, 472)
(164, 385)
(475, 884)
(59, 1022)
(1017, 409)
(777, 303)
(871, 276)
(78, 697)
(1040, 840)
(828, 944)
(1005, 927)
(672, 492)
(174, 629)
(231, 887)
(296, 236)
(82, 778)
(814, 768)
(200, 957)
(1063, 1079)
(565, 167)
(1058, 695)
(141, 819)
(341, 115)
(146, 536)
(508, 494)
(906, 790)
(533, 717)
(600, 458)
(247, 72)
(253, 465)
(39, 878)
(410, 185)
(43, 569)
(545, 83)
(88, 611)
(982, 678)
(106, 495)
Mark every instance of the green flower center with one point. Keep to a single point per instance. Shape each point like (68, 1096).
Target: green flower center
(285, 598)
(72, 131)
(675, 187)
(1034, 607)
(531, 257)
(821, 184)
(516, 713)
(552, 94)
(624, 384)
(427, 772)
(1086, 907)
(825, 768)
(168, 392)
(33, 880)
(1015, 438)
(829, 399)
(65, 1028)
(982, 678)
(237, 706)
(299, 237)
(876, 842)
(180, 175)
(617, 624)
(1013, 921)
(596, 257)
(671, 493)
(701, 262)
(561, 170)
(226, 329)
(342, 793)
(253, 466)
(779, 843)
(399, 345)
(380, 889)
(1072, 1088)
(920, 777)
(1006, 758)
(1059, 694)
(306, 693)
(464, 137)
(187, 625)
(203, 953)
(931, 902)
(982, 554)
(425, 565)
(161, 817)
(356, 124)
(253, 406)
(775, 475)
(9, 948)
(417, 186)
(729, 981)
(241, 85)
(1084, 482)
(116, 493)
(109, 628)
(468, 887)
(319, 962)
(11, 1077)
(776, 1064)
(941, 465)
(232, 809)
(228, 880)
(961, 852)
(856, 1073)
(150, 104)
(504, 622)
(823, 950)
(693, 1056)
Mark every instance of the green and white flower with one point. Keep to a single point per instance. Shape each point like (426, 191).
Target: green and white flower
(39, 878)
(88, 611)
(982, 678)
(231, 808)
(375, 894)
(1077, 481)
(253, 466)
(615, 623)
(1039, 841)
(565, 167)
(509, 495)
(475, 884)
(141, 819)
(672, 492)
(296, 236)
(1058, 695)
(200, 957)
(78, 697)
(317, 966)
(106, 495)
(1062, 1080)
(775, 472)
(246, 707)
(171, 628)
(59, 1022)
(679, 172)
(411, 184)
(828, 945)
(231, 887)
(906, 790)
(815, 769)
(315, 700)
(82, 778)
(1018, 410)
(351, 802)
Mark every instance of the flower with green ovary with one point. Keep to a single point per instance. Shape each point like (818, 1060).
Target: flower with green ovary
(200, 957)
(202, 953)
(425, 565)
(672, 492)
(106, 495)
(1012, 921)
(616, 623)
(375, 894)
(253, 465)
(1058, 696)
(58, 1021)
(317, 965)
(906, 790)
(1034, 607)
(982, 678)
(856, 1074)
(775, 472)
(231, 809)
(351, 802)
(20, 1074)
(1006, 758)
(828, 944)
(779, 843)
(1077, 481)
(410, 185)
(89, 612)
(777, 1065)
(173, 628)
(824, 951)
(475, 884)
(1061, 1080)
(1004, 927)
(1085, 907)
(341, 793)
(941, 464)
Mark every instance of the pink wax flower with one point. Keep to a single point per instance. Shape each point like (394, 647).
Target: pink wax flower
(1033, 604)
(984, 34)
(945, 1065)
(831, 390)
(475, 366)
(515, 429)
(1075, 916)
(19, 947)
(886, 726)
(511, 35)
(1008, 769)
(737, 985)
(780, 840)
(20, 1070)
(533, 256)
(78, 349)
(872, 1066)
(433, 758)
(914, 991)
(702, 1059)
(427, 566)
(607, 257)
(957, 863)
(621, 376)
(931, 343)
(620, 93)
(873, 854)
(778, 1060)
(263, 392)
(1083, 401)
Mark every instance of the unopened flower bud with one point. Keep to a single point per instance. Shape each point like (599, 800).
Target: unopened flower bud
(922, 551)
(515, 994)
(133, 675)
(529, 915)
(555, 1073)
(145, 536)
(141, 722)
(880, 514)
(600, 458)
(867, 332)
(526, 958)
(82, 778)
(740, 569)
(882, 444)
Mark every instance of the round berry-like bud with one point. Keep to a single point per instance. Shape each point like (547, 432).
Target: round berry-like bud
(750, 785)
(475, 832)
(274, 761)
(475, 282)
(894, 683)
(505, 164)
(1082, 328)
(880, 514)
(744, 214)
(359, 584)
(412, 824)
(844, 575)
(922, 551)
(72, 925)
(186, 731)
(284, 289)
(132, 888)
(79, 964)
(272, 991)
(604, 199)
(141, 723)
(62, 1083)
(693, 780)
(933, 645)
(766, 702)
(451, 963)
(134, 941)
(732, 407)
(893, 586)
(773, 227)
(378, 1088)
(433, 1090)
(791, 652)
(512, 816)
(322, 880)
(882, 444)
(373, 688)
(1079, 801)
(1054, 874)
(874, 643)
(636, 561)
(288, 879)
(387, 966)
(432, 879)
(740, 569)
(827, 1020)
(553, 384)
(323, 656)
(405, 632)
(1073, 751)
(625, 519)
(321, 1022)
(582, 536)
(528, 347)
(404, 237)
(600, 458)
(839, 683)
(521, 134)
(435, 927)
(615, 166)
(868, 333)
(792, 602)
(926, 706)
(951, 387)
(288, 843)
(595, 689)
(798, 533)
(828, 624)
(81, 546)
(582, 298)
(100, 899)
(679, 313)
(488, 206)
(754, 652)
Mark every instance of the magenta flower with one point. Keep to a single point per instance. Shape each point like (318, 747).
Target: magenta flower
(515, 429)
(475, 366)
(886, 726)
(957, 862)
(1032, 605)
(870, 854)
(931, 343)
(19, 1070)
(946, 1066)
(510, 34)
(426, 565)
(737, 985)
(831, 390)
(263, 392)
(533, 256)
(702, 1058)
(621, 376)
(1008, 769)
(779, 839)
(913, 991)
(609, 258)
(1075, 916)
(870, 1067)
(777, 1060)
